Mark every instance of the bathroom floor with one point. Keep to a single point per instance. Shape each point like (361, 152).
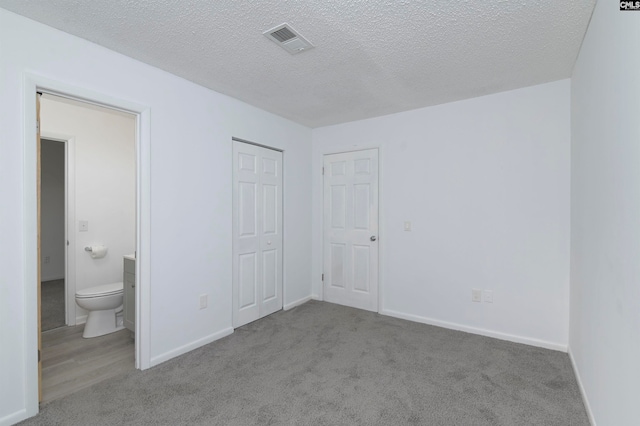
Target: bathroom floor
(71, 363)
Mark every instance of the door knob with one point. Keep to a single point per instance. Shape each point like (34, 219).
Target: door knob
(373, 238)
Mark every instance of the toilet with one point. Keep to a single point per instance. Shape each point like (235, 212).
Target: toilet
(103, 303)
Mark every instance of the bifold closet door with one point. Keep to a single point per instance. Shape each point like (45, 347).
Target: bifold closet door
(257, 232)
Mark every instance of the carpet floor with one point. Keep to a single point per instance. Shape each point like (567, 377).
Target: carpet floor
(325, 364)
(52, 296)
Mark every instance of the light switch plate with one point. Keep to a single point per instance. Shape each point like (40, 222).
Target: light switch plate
(476, 295)
(84, 226)
(487, 295)
(407, 226)
(204, 301)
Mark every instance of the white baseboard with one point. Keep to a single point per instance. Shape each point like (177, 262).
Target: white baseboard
(190, 346)
(81, 319)
(316, 297)
(481, 331)
(14, 418)
(585, 400)
(296, 303)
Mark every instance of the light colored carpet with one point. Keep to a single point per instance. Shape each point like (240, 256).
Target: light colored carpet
(324, 364)
(52, 296)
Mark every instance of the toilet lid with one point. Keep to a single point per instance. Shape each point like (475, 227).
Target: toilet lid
(100, 290)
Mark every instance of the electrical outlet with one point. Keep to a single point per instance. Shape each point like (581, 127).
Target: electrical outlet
(204, 299)
(47, 259)
(487, 295)
(476, 295)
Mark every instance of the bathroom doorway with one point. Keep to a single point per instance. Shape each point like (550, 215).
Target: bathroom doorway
(100, 211)
(53, 229)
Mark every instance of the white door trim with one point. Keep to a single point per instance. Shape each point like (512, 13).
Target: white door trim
(69, 218)
(35, 83)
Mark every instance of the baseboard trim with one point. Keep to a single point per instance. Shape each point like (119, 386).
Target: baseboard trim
(189, 347)
(14, 418)
(316, 297)
(474, 330)
(296, 303)
(81, 319)
(585, 400)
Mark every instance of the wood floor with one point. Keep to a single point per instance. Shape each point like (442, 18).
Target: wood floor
(71, 363)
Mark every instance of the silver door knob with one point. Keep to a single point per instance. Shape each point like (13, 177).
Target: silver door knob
(373, 238)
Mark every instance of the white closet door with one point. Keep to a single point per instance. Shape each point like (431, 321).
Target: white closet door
(257, 232)
(351, 229)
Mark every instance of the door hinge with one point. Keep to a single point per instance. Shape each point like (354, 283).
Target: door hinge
(37, 126)
(39, 355)
(322, 277)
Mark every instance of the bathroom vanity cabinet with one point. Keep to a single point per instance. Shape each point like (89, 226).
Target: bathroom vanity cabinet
(129, 290)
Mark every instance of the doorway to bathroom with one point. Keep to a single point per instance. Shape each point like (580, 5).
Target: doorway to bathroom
(53, 211)
(98, 150)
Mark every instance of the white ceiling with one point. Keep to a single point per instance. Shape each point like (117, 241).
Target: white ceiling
(371, 57)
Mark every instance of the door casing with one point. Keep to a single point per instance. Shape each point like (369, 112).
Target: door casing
(35, 83)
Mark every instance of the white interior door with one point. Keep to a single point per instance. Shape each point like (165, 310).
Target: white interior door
(351, 229)
(257, 232)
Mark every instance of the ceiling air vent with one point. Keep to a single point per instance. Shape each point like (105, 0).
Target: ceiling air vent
(286, 37)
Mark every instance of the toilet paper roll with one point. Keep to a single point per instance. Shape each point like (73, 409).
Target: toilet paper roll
(98, 252)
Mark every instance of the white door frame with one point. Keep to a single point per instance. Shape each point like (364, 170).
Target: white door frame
(69, 142)
(319, 159)
(35, 83)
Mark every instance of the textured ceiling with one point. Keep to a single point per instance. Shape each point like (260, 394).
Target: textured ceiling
(371, 57)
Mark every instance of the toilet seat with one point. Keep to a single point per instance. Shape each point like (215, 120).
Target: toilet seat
(100, 290)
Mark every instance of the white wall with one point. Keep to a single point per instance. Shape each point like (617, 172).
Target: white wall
(104, 181)
(52, 205)
(485, 183)
(605, 216)
(190, 254)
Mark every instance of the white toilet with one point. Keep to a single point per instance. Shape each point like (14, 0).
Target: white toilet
(102, 302)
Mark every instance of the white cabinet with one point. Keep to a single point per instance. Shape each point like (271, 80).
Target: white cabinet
(129, 302)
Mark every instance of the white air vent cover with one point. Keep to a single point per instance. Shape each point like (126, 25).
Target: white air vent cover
(286, 37)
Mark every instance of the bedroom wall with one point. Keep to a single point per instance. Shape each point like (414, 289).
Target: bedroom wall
(605, 211)
(191, 175)
(485, 184)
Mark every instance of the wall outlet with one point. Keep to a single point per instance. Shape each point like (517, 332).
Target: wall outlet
(204, 300)
(47, 259)
(476, 295)
(487, 295)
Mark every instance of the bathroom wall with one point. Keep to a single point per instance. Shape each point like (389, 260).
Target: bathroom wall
(485, 184)
(52, 199)
(104, 178)
(605, 211)
(190, 130)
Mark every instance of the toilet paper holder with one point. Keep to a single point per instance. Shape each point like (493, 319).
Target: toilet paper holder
(88, 249)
